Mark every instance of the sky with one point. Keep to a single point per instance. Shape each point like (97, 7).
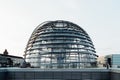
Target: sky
(99, 18)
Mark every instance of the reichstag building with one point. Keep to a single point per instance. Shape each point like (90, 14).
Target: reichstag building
(60, 44)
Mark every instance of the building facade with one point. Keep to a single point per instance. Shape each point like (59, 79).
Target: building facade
(60, 44)
(10, 60)
(113, 60)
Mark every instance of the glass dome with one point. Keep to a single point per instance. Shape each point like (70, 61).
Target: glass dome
(60, 44)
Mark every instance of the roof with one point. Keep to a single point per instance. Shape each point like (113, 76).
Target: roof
(12, 56)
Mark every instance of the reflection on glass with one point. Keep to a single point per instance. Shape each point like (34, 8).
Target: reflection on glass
(60, 44)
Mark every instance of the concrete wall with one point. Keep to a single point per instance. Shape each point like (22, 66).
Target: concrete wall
(58, 74)
(3, 75)
(115, 74)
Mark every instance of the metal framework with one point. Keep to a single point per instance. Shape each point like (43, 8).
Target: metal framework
(60, 44)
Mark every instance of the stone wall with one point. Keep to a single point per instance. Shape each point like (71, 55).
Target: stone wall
(3, 75)
(115, 74)
(58, 74)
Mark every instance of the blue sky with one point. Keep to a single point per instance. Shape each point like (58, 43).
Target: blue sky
(99, 18)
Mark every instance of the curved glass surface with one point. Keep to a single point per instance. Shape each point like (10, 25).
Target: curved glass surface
(60, 44)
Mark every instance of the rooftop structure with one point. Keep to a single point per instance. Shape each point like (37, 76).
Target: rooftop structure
(60, 44)
(7, 60)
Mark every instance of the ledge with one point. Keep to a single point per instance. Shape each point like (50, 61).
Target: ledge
(57, 70)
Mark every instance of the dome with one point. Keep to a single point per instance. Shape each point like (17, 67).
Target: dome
(60, 44)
